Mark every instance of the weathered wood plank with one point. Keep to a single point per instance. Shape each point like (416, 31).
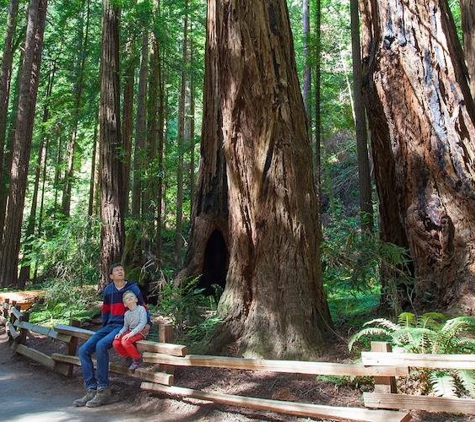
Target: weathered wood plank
(141, 373)
(298, 409)
(298, 367)
(165, 348)
(419, 360)
(34, 355)
(428, 403)
(16, 312)
(11, 329)
(49, 332)
(73, 331)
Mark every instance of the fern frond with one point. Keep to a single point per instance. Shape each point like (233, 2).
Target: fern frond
(443, 384)
(415, 339)
(382, 322)
(432, 320)
(407, 319)
(467, 379)
(369, 332)
(465, 345)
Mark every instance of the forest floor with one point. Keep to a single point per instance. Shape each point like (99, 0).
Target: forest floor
(36, 393)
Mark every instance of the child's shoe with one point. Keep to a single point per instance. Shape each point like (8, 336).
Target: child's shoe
(135, 364)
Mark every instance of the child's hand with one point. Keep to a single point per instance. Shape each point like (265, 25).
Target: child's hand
(127, 336)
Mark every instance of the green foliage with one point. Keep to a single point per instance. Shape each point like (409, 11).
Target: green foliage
(64, 300)
(192, 314)
(68, 250)
(431, 333)
(352, 262)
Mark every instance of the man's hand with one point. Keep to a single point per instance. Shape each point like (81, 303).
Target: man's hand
(146, 330)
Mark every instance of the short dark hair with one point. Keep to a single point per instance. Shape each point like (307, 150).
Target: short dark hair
(114, 265)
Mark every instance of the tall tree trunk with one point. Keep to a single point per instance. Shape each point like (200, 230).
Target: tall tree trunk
(32, 218)
(160, 149)
(71, 158)
(140, 131)
(112, 185)
(366, 203)
(94, 188)
(128, 116)
(318, 118)
(181, 147)
(10, 244)
(256, 200)
(5, 80)
(307, 73)
(421, 116)
(467, 11)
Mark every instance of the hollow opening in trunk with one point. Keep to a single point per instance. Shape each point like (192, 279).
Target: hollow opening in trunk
(215, 266)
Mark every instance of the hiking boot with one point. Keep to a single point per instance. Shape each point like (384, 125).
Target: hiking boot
(135, 364)
(103, 396)
(90, 394)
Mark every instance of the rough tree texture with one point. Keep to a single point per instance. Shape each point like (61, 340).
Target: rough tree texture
(112, 187)
(467, 11)
(256, 197)
(422, 122)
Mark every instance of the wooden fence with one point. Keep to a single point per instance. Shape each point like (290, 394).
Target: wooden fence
(383, 404)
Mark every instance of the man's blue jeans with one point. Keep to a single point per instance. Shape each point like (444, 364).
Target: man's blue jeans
(99, 343)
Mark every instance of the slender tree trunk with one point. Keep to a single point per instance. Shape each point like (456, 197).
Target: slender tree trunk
(140, 131)
(5, 80)
(94, 179)
(256, 202)
(128, 116)
(467, 11)
(10, 245)
(422, 119)
(71, 160)
(181, 147)
(32, 218)
(366, 203)
(307, 73)
(112, 185)
(318, 119)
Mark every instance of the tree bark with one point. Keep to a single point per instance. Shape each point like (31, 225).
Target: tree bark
(422, 122)
(256, 196)
(181, 147)
(112, 185)
(467, 11)
(21, 148)
(364, 175)
(5, 80)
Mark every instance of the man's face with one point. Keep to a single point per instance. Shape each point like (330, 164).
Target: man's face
(118, 273)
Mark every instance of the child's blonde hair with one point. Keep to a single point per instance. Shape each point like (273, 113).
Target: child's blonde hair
(127, 293)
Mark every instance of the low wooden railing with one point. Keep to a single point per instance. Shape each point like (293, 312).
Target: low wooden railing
(383, 404)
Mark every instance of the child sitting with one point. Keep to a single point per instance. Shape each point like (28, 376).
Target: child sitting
(135, 320)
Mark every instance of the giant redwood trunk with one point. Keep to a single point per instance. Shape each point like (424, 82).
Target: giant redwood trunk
(422, 122)
(255, 217)
(112, 187)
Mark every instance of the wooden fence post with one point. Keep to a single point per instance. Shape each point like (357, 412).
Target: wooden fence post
(72, 347)
(383, 384)
(165, 335)
(24, 317)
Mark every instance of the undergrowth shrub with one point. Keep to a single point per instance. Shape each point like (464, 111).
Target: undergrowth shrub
(431, 333)
(193, 315)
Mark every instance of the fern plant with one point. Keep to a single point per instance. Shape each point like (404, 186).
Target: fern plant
(432, 333)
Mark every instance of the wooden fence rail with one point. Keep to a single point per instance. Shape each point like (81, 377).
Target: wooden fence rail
(380, 363)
